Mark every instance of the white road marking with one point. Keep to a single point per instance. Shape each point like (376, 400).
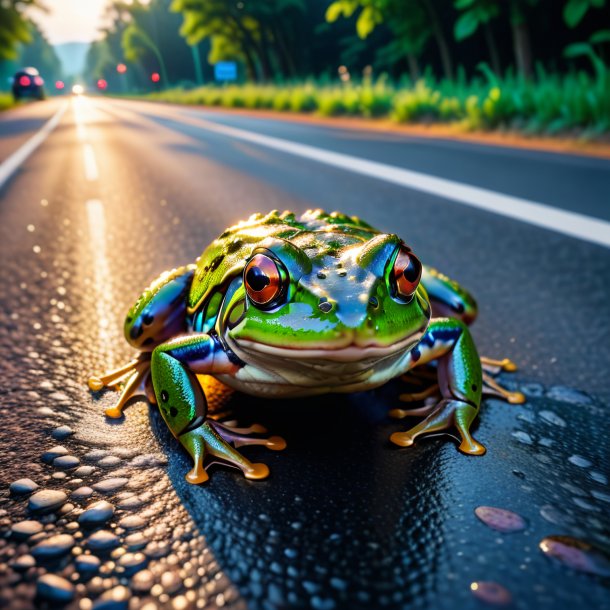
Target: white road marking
(10, 165)
(573, 224)
(91, 172)
(81, 131)
(102, 282)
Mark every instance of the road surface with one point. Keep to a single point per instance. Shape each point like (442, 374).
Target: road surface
(120, 190)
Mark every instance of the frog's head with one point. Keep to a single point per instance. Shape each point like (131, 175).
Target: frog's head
(363, 301)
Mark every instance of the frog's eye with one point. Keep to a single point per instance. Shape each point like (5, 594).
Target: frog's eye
(406, 273)
(263, 280)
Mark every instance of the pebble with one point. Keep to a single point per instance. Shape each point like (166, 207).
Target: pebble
(114, 599)
(96, 514)
(136, 541)
(84, 471)
(53, 453)
(500, 519)
(522, 437)
(491, 593)
(132, 522)
(87, 564)
(142, 581)
(132, 562)
(109, 461)
(131, 503)
(23, 563)
(102, 541)
(95, 455)
(54, 588)
(23, 486)
(148, 460)
(66, 462)
(61, 432)
(59, 475)
(25, 529)
(81, 492)
(47, 500)
(110, 485)
(53, 547)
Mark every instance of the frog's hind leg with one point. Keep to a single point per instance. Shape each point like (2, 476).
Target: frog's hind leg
(492, 365)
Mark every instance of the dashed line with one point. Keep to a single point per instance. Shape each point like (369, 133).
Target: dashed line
(10, 165)
(91, 172)
(96, 218)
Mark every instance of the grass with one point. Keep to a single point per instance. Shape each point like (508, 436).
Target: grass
(547, 104)
(6, 101)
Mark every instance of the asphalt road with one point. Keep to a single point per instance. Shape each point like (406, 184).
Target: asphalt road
(122, 190)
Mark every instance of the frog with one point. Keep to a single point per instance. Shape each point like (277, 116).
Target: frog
(282, 306)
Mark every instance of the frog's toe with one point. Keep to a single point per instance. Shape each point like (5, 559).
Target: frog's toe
(492, 364)
(197, 475)
(256, 472)
(402, 439)
(113, 413)
(493, 388)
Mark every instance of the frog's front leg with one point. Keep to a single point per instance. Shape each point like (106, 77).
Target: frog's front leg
(448, 341)
(174, 367)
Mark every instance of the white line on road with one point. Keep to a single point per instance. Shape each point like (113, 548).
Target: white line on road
(91, 172)
(539, 214)
(10, 165)
(101, 272)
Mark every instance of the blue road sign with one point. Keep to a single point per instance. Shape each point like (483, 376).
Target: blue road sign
(225, 70)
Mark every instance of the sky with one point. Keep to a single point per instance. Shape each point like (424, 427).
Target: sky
(70, 20)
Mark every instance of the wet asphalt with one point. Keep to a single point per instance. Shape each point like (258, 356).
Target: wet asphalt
(345, 520)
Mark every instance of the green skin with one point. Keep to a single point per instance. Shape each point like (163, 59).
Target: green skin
(200, 320)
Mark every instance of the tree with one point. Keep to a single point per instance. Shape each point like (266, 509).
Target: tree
(40, 54)
(477, 14)
(15, 29)
(413, 23)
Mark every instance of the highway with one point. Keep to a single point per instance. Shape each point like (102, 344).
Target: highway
(117, 191)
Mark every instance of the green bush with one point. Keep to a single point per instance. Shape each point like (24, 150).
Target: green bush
(6, 101)
(549, 103)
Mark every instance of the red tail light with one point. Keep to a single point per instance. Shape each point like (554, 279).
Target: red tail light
(24, 81)
(38, 81)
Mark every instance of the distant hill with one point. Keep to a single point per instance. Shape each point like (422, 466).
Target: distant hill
(72, 56)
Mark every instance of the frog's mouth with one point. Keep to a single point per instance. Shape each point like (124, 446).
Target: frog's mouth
(348, 350)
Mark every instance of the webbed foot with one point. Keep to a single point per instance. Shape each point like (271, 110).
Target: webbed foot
(442, 416)
(134, 373)
(221, 441)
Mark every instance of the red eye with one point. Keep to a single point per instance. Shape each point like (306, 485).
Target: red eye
(263, 280)
(406, 273)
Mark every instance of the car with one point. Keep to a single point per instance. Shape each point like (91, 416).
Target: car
(28, 83)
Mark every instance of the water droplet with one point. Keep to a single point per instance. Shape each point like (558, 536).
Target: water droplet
(500, 519)
(552, 514)
(579, 461)
(522, 437)
(565, 394)
(598, 477)
(551, 418)
(491, 593)
(576, 554)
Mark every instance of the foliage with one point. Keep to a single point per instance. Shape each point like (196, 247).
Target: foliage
(6, 101)
(548, 104)
(14, 26)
